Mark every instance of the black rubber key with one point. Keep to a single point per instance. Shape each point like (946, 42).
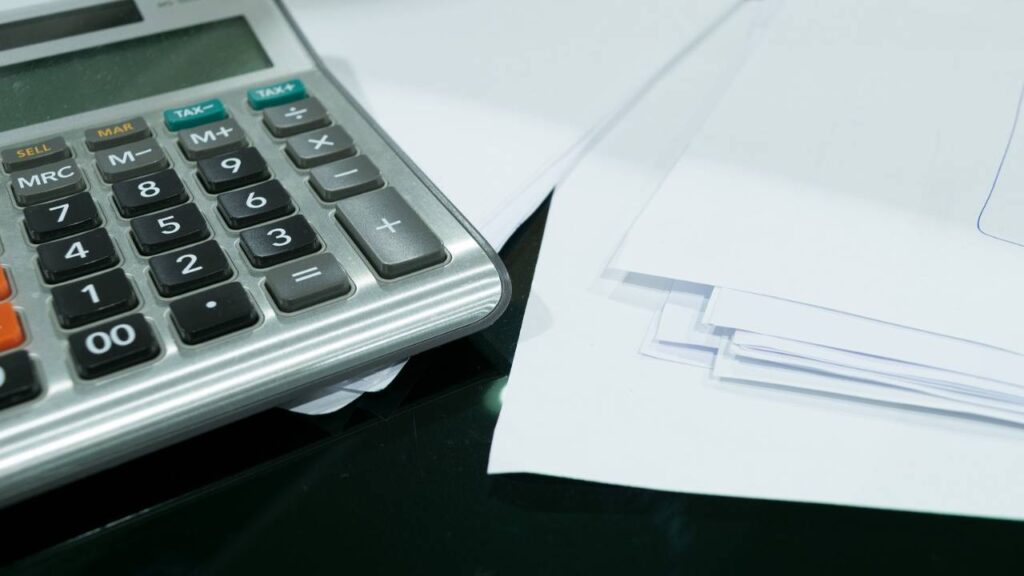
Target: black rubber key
(234, 169)
(189, 268)
(70, 258)
(170, 229)
(149, 193)
(279, 241)
(18, 381)
(113, 346)
(71, 215)
(93, 299)
(212, 313)
(254, 205)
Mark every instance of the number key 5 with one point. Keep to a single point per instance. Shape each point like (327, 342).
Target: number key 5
(169, 229)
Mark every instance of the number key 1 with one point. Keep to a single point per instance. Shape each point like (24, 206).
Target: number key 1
(94, 298)
(149, 193)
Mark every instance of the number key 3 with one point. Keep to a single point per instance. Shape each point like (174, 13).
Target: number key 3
(279, 241)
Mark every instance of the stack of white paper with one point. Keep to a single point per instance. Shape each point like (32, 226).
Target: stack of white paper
(845, 171)
(816, 230)
(496, 102)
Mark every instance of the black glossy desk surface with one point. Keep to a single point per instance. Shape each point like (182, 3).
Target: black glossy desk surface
(397, 484)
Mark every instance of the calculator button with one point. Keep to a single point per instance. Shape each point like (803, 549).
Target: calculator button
(117, 134)
(76, 256)
(18, 381)
(47, 182)
(345, 178)
(131, 160)
(5, 286)
(94, 298)
(60, 218)
(169, 229)
(299, 116)
(189, 269)
(307, 282)
(320, 146)
(279, 241)
(233, 169)
(212, 313)
(35, 154)
(275, 94)
(254, 205)
(195, 114)
(149, 193)
(211, 139)
(11, 334)
(393, 237)
(113, 346)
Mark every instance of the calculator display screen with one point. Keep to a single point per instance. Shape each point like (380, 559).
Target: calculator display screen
(66, 84)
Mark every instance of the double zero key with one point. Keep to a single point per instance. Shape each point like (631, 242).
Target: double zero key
(113, 346)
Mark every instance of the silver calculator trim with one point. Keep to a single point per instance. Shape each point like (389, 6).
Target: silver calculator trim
(80, 426)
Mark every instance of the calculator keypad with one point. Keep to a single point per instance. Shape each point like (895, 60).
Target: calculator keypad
(254, 205)
(113, 346)
(93, 298)
(299, 116)
(212, 313)
(345, 178)
(131, 160)
(60, 218)
(188, 268)
(234, 169)
(279, 241)
(76, 256)
(149, 193)
(169, 229)
(47, 182)
(18, 381)
(209, 140)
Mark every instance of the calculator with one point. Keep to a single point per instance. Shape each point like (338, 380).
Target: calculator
(197, 222)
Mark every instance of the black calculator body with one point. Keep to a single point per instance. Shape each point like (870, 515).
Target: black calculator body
(197, 222)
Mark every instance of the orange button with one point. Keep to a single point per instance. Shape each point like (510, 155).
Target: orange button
(5, 288)
(10, 329)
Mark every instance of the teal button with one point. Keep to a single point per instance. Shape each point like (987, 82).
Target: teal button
(194, 114)
(280, 93)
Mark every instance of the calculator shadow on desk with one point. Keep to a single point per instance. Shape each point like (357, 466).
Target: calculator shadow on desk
(180, 253)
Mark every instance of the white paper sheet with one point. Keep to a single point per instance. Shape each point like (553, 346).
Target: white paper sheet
(496, 102)
(848, 164)
(581, 403)
(804, 323)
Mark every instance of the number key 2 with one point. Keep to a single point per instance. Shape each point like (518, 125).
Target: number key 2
(112, 346)
(190, 268)
(279, 241)
(149, 193)
(232, 170)
(93, 299)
